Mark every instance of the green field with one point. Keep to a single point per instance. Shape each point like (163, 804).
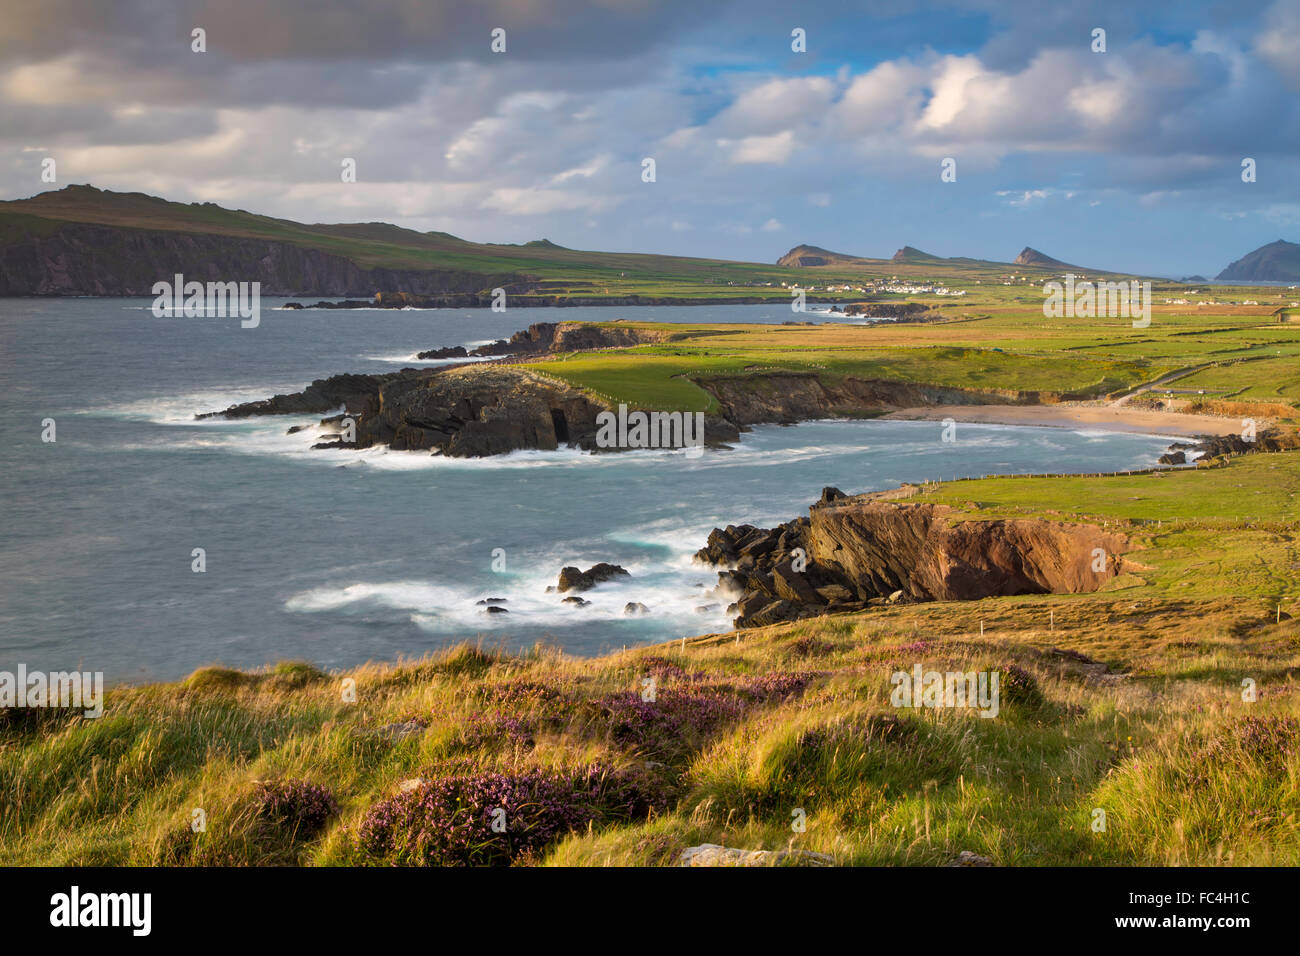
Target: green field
(1246, 358)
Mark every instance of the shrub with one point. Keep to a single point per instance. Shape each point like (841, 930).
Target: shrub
(1017, 686)
(294, 675)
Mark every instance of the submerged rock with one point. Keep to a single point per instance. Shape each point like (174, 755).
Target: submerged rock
(635, 608)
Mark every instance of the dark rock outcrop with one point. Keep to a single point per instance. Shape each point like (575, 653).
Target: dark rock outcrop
(1212, 446)
(572, 579)
(455, 351)
(461, 411)
(891, 310)
(854, 552)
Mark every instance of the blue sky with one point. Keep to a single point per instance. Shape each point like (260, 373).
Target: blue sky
(1127, 160)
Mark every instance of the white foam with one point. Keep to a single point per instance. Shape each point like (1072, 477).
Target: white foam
(671, 596)
(412, 358)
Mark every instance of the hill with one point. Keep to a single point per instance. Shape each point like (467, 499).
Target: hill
(1032, 257)
(81, 240)
(1276, 262)
(912, 254)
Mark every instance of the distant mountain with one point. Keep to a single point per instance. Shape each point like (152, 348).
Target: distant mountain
(923, 263)
(1276, 262)
(912, 254)
(1032, 257)
(805, 255)
(1193, 280)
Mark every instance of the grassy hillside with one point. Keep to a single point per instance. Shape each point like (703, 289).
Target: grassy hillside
(1127, 700)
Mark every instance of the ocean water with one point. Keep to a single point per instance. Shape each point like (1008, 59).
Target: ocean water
(339, 557)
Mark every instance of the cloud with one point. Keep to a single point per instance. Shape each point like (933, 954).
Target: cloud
(1278, 43)
(448, 135)
(761, 149)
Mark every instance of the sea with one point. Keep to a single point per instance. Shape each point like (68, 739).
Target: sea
(340, 557)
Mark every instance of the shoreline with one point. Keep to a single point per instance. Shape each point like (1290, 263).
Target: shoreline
(1106, 417)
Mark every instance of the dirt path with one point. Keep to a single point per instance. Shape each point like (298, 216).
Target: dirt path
(1171, 377)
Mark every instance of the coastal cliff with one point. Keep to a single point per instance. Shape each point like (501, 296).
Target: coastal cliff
(93, 259)
(850, 553)
(790, 397)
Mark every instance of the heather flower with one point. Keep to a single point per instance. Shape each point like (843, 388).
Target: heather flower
(523, 692)
(916, 647)
(667, 722)
(664, 668)
(482, 729)
(1270, 740)
(449, 821)
(296, 805)
(771, 688)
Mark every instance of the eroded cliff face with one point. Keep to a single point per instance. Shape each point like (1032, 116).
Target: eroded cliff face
(882, 547)
(862, 551)
(791, 397)
(89, 259)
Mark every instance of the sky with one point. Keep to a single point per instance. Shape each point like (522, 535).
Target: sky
(1128, 159)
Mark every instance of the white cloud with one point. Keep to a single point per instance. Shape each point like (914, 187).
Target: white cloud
(761, 149)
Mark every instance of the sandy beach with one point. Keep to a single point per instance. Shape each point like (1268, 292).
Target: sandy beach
(1115, 418)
